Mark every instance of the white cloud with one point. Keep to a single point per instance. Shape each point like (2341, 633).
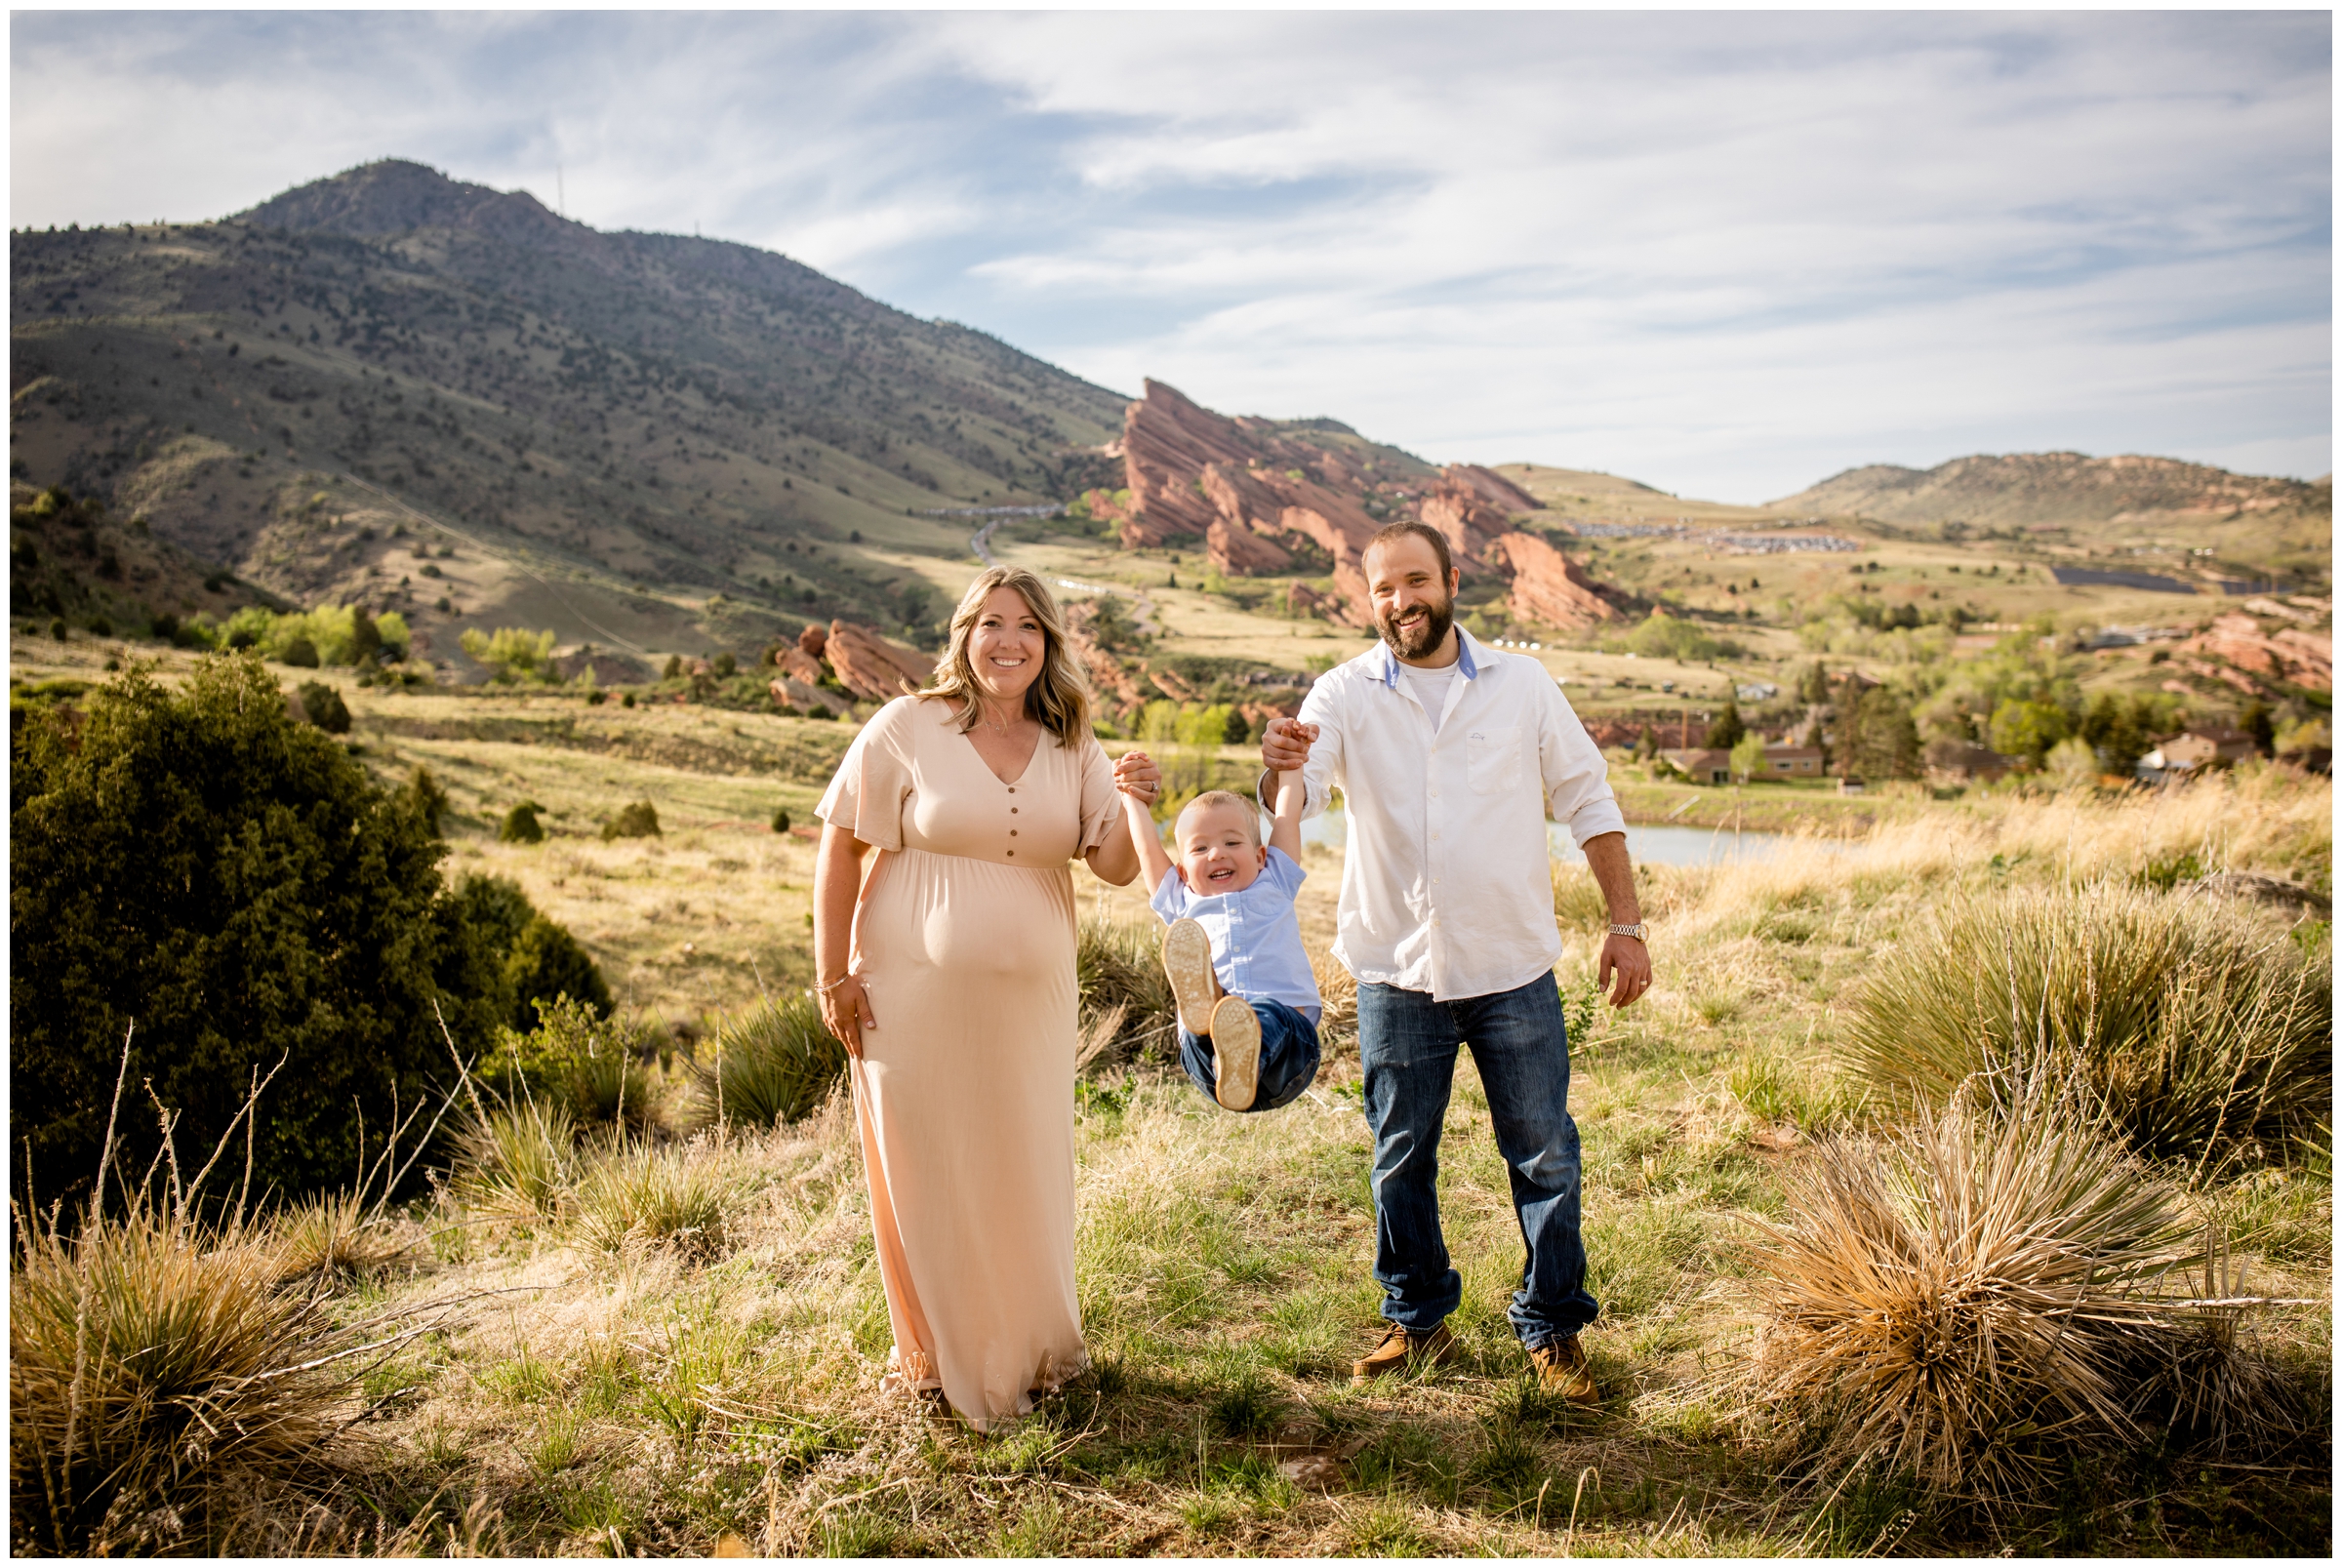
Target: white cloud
(1727, 253)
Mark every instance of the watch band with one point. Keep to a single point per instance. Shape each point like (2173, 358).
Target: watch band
(1641, 931)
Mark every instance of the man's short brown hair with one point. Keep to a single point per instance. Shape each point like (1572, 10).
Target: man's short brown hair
(1392, 533)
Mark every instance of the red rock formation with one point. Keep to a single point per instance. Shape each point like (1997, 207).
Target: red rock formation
(2292, 655)
(1548, 588)
(795, 664)
(803, 697)
(869, 665)
(1170, 685)
(1472, 507)
(813, 639)
(1242, 554)
(1167, 442)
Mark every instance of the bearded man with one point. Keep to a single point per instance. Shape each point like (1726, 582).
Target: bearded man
(1450, 755)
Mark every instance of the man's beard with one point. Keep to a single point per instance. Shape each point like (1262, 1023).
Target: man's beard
(1421, 637)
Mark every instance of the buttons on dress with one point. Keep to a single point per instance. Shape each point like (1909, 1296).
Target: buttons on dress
(1012, 832)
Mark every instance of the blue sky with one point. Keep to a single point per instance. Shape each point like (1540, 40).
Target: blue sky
(1727, 253)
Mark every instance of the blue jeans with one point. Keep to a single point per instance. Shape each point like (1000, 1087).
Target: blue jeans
(1288, 1057)
(1407, 1045)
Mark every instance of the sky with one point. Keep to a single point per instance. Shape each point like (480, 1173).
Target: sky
(1726, 253)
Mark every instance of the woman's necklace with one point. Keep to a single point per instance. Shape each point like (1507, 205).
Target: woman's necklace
(984, 714)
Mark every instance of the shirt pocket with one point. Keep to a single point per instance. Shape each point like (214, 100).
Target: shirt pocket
(1492, 759)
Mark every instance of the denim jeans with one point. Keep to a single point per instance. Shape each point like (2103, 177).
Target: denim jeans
(1407, 1045)
(1288, 1057)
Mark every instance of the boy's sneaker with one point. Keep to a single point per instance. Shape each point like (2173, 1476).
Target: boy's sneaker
(1188, 963)
(1236, 1049)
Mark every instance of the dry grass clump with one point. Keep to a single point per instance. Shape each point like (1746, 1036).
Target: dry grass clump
(637, 1196)
(1338, 989)
(1998, 1284)
(337, 1236)
(1119, 965)
(775, 1063)
(2200, 1033)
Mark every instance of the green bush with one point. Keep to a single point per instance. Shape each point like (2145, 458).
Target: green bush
(527, 958)
(233, 883)
(430, 800)
(774, 1064)
(781, 820)
(522, 825)
(637, 820)
(579, 1059)
(300, 653)
(2201, 1034)
(324, 706)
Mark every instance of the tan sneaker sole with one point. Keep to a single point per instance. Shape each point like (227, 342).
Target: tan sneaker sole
(1236, 1048)
(1187, 965)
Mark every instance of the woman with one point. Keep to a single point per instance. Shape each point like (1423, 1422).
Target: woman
(948, 973)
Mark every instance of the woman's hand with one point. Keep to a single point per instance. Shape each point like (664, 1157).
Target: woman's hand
(846, 1010)
(1136, 776)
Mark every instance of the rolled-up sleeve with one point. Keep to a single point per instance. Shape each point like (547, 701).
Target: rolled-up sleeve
(1577, 777)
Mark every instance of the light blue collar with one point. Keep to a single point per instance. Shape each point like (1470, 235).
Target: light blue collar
(1387, 671)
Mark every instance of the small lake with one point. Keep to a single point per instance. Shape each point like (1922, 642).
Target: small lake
(1649, 843)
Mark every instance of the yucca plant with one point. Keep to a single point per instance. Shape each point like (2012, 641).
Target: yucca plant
(2200, 1033)
(776, 1063)
(635, 1195)
(1947, 1309)
(518, 1160)
(1120, 965)
(337, 1237)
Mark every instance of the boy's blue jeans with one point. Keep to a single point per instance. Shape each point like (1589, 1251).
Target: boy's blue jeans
(1288, 1057)
(1407, 1045)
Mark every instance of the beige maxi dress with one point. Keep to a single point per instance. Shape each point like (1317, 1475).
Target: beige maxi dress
(964, 936)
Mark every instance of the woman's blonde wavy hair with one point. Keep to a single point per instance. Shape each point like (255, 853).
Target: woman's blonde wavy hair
(1058, 697)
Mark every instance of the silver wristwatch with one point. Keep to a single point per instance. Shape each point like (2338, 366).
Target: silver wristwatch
(1641, 931)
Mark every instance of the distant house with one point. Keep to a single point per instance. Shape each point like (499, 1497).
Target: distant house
(1785, 761)
(1710, 765)
(1757, 691)
(1961, 762)
(1702, 764)
(2194, 749)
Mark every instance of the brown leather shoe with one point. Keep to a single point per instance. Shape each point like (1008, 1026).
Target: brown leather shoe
(1561, 1369)
(1403, 1352)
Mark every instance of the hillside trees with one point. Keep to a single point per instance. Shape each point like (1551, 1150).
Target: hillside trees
(233, 883)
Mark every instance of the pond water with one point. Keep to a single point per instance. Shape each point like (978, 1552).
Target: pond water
(1647, 843)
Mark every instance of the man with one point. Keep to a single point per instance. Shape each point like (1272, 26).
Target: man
(1449, 755)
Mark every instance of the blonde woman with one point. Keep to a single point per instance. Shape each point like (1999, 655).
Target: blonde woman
(948, 973)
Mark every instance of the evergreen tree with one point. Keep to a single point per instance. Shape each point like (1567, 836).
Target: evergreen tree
(1725, 732)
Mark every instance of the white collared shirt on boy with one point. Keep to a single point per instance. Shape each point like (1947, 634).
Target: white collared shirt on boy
(1446, 882)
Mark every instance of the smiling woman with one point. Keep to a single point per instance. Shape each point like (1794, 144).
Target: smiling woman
(947, 972)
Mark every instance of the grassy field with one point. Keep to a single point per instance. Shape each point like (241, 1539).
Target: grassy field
(583, 1399)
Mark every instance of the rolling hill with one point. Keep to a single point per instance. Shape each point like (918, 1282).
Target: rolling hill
(644, 437)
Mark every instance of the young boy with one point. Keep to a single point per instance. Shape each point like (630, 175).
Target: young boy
(1249, 1004)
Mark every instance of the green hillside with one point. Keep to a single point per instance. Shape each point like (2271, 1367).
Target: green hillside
(325, 392)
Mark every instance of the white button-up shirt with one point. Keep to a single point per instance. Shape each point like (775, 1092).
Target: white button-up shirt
(1446, 883)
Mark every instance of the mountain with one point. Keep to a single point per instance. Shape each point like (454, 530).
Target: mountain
(2033, 488)
(390, 376)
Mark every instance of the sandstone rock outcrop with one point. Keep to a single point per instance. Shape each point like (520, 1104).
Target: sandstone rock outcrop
(869, 665)
(814, 638)
(1238, 553)
(2293, 656)
(1472, 508)
(795, 664)
(804, 698)
(1548, 588)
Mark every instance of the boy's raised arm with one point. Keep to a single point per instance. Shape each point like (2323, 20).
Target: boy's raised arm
(1147, 839)
(1285, 827)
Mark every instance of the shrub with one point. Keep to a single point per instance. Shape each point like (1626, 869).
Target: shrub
(511, 654)
(236, 884)
(522, 827)
(725, 665)
(300, 653)
(523, 955)
(548, 962)
(335, 1237)
(1946, 1308)
(429, 799)
(324, 706)
(2199, 1034)
(625, 700)
(777, 1062)
(781, 820)
(637, 820)
(579, 1059)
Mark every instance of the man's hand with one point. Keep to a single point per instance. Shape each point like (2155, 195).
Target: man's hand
(1629, 962)
(1285, 744)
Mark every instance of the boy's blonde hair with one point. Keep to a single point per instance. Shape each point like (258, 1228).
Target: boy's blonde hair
(1225, 797)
